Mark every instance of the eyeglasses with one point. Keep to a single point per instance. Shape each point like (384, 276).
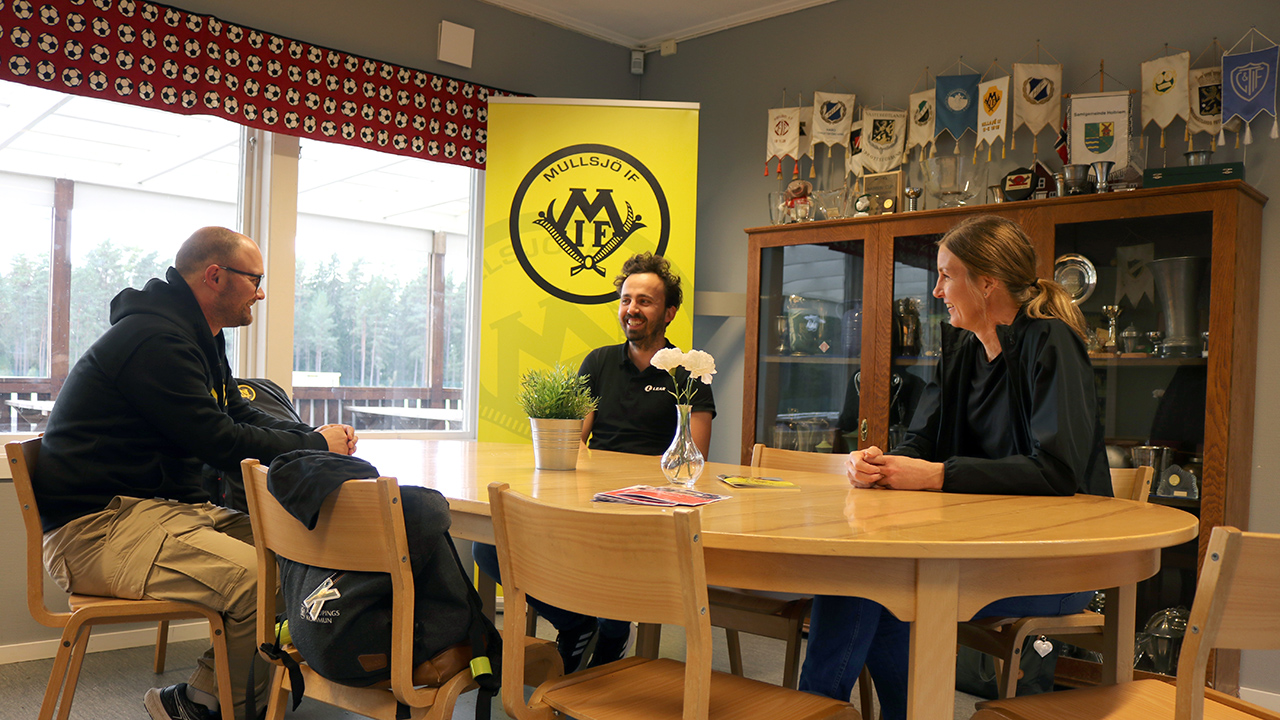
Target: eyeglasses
(255, 279)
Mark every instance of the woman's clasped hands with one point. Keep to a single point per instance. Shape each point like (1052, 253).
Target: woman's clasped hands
(872, 468)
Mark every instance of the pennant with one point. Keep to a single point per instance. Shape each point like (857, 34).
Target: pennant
(993, 111)
(832, 118)
(1249, 84)
(853, 158)
(920, 110)
(1100, 128)
(883, 137)
(1205, 87)
(1133, 279)
(955, 104)
(784, 135)
(1061, 146)
(1164, 90)
(806, 140)
(1037, 96)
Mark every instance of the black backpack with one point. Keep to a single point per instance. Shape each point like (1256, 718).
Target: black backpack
(227, 488)
(340, 622)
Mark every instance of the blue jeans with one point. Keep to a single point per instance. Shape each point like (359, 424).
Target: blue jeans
(486, 556)
(846, 633)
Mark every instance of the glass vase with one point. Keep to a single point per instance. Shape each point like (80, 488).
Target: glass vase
(682, 462)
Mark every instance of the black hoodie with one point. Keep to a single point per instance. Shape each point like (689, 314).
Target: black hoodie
(148, 402)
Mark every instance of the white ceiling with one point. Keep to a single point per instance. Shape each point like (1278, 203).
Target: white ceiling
(646, 24)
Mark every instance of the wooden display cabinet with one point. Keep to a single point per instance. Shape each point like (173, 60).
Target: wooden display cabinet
(842, 334)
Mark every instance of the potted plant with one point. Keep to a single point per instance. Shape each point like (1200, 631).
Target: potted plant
(556, 401)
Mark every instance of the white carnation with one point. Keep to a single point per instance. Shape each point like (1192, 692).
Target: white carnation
(701, 365)
(668, 359)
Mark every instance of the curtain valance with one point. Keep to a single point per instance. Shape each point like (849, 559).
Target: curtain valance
(157, 56)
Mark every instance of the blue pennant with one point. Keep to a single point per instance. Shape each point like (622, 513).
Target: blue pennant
(956, 106)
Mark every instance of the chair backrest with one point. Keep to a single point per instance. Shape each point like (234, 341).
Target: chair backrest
(768, 457)
(1235, 607)
(22, 464)
(1132, 483)
(640, 564)
(361, 528)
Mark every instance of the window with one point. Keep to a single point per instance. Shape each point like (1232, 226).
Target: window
(97, 196)
(383, 259)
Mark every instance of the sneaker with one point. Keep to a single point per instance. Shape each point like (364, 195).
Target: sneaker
(172, 703)
(573, 643)
(611, 649)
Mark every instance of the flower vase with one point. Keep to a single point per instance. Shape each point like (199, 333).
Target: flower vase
(682, 462)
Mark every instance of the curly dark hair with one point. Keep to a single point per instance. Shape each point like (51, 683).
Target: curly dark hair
(647, 262)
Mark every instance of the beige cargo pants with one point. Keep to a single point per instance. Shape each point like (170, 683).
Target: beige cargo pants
(169, 550)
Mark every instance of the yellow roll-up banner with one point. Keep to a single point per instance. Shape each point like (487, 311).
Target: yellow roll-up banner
(572, 189)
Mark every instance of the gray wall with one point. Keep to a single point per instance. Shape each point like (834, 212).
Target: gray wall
(878, 50)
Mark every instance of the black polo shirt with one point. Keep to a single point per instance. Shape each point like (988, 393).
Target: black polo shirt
(636, 412)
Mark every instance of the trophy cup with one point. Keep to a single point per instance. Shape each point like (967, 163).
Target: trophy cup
(1178, 287)
(1101, 171)
(913, 198)
(1112, 314)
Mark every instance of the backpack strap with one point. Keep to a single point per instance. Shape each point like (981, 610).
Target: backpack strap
(274, 652)
(486, 643)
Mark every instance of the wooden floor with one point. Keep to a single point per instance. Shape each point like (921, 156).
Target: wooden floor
(112, 683)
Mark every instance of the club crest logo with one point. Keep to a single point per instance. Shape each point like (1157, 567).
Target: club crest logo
(832, 111)
(1249, 80)
(1164, 81)
(575, 210)
(1099, 136)
(248, 393)
(1037, 90)
(883, 132)
(991, 101)
(781, 127)
(923, 113)
(1210, 100)
(958, 100)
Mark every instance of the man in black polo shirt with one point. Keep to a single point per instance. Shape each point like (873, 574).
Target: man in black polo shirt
(636, 411)
(636, 414)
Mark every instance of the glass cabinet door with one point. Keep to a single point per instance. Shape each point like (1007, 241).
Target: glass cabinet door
(810, 346)
(915, 342)
(1143, 285)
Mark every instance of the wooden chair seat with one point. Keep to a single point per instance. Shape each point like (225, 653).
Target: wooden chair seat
(87, 611)
(657, 686)
(1147, 699)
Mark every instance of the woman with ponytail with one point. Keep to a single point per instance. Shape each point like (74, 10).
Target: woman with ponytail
(1011, 410)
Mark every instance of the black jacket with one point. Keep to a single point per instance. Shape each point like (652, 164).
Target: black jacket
(148, 402)
(1056, 437)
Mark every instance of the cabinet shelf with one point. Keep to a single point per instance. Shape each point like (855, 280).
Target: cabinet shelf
(1113, 361)
(813, 360)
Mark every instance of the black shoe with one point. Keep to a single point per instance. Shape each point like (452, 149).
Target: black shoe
(610, 649)
(573, 643)
(172, 703)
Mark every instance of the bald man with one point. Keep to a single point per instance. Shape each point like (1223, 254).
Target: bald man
(119, 474)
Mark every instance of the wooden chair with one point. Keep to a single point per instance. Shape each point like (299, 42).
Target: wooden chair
(87, 611)
(1235, 607)
(361, 528)
(738, 611)
(1003, 638)
(625, 562)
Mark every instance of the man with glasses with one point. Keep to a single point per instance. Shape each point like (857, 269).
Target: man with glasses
(124, 510)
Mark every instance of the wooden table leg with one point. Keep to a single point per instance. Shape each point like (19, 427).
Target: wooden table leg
(931, 684)
(1117, 634)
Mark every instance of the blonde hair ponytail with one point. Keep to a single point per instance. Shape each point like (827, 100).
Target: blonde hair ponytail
(999, 248)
